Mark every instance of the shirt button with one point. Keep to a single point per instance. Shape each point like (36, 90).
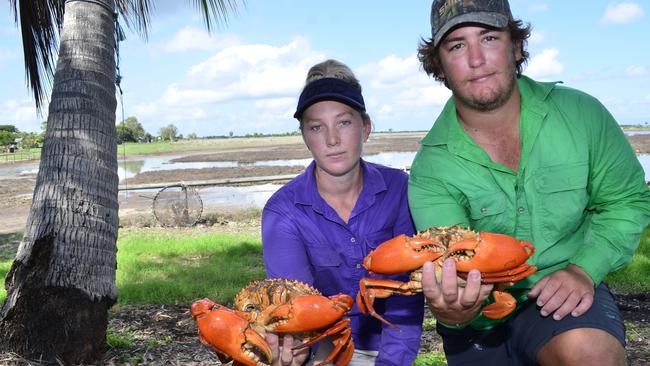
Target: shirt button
(484, 210)
(358, 265)
(352, 239)
(521, 210)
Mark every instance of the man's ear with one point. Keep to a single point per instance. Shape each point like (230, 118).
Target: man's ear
(517, 51)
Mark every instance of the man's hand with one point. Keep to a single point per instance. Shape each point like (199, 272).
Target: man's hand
(283, 355)
(563, 292)
(449, 302)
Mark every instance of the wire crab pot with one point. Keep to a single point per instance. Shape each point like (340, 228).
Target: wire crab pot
(177, 206)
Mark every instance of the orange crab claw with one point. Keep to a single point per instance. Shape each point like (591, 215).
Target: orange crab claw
(341, 336)
(307, 312)
(229, 333)
(401, 254)
(503, 305)
(491, 252)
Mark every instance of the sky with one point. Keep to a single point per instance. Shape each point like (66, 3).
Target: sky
(245, 76)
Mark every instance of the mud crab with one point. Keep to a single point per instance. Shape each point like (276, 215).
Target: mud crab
(501, 259)
(274, 305)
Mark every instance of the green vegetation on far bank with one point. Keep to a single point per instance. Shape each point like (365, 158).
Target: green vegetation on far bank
(220, 144)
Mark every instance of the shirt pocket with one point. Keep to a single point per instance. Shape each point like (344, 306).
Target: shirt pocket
(326, 267)
(375, 238)
(562, 199)
(488, 210)
(322, 255)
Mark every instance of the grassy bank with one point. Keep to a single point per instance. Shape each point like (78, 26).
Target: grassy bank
(175, 266)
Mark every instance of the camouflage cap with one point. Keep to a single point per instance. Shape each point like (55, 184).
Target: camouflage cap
(446, 14)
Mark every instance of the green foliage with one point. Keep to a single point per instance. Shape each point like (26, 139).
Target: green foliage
(8, 128)
(6, 138)
(130, 130)
(429, 324)
(430, 359)
(124, 134)
(119, 339)
(169, 133)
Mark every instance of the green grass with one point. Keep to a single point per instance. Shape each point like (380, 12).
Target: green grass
(177, 266)
(430, 359)
(167, 266)
(635, 277)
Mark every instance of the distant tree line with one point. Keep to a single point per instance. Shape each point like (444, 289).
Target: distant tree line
(11, 137)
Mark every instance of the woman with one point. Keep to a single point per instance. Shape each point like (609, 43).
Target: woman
(319, 226)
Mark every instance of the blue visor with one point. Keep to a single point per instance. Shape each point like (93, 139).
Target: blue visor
(329, 89)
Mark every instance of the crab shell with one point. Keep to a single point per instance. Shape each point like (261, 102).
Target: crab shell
(501, 259)
(494, 255)
(274, 305)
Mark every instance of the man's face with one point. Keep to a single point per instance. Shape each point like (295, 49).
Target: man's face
(479, 66)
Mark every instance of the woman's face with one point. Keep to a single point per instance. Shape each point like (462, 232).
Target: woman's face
(334, 133)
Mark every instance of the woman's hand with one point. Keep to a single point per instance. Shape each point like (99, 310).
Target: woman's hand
(450, 303)
(284, 355)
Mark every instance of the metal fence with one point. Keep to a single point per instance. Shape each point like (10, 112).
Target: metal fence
(19, 156)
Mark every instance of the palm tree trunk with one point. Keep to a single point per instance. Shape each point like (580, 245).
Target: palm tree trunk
(62, 282)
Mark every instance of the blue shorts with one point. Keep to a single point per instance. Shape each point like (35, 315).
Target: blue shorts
(517, 341)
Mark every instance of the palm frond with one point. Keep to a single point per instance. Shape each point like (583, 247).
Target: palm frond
(136, 14)
(216, 10)
(39, 23)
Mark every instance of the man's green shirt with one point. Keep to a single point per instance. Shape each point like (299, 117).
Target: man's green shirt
(579, 194)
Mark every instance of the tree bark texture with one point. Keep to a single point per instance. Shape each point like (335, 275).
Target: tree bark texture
(62, 282)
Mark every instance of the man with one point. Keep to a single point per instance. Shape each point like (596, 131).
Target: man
(537, 161)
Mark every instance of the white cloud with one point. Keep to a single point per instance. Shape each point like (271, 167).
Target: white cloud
(545, 65)
(405, 83)
(623, 13)
(250, 87)
(278, 104)
(22, 114)
(537, 37)
(393, 72)
(636, 71)
(191, 38)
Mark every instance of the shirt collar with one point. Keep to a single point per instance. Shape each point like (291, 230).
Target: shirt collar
(448, 131)
(373, 183)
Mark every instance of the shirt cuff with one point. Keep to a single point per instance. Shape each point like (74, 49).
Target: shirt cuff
(596, 261)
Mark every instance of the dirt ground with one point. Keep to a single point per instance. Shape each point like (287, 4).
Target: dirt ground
(166, 335)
